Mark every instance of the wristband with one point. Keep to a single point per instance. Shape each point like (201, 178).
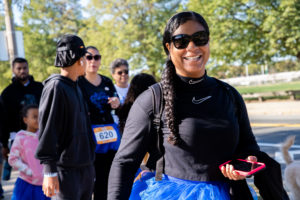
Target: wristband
(50, 174)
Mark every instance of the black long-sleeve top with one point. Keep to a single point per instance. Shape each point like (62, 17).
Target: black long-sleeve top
(66, 137)
(211, 126)
(97, 98)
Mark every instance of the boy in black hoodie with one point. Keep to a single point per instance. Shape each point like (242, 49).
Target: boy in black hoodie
(66, 147)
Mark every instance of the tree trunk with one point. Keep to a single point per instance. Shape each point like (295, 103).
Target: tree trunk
(10, 32)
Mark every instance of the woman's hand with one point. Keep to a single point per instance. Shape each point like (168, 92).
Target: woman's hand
(229, 172)
(114, 102)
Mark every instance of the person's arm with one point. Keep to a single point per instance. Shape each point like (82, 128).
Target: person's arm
(134, 144)
(15, 159)
(3, 131)
(247, 143)
(51, 123)
(5, 123)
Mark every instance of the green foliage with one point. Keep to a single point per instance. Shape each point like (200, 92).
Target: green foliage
(5, 72)
(44, 22)
(243, 33)
(283, 66)
(282, 28)
(2, 22)
(269, 87)
(251, 32)
(236, 33)
(131, 30)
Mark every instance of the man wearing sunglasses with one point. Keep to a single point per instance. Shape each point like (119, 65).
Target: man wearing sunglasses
(119, 70)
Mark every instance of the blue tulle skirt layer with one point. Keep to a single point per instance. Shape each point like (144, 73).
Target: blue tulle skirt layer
(27, 191)
(171, 188)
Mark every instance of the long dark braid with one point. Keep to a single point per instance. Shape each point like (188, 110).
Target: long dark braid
(169, 94)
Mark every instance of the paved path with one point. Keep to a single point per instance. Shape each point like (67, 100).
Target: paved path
(279, 108)
(8, 186)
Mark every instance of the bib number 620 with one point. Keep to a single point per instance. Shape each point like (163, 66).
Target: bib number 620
(105, 134)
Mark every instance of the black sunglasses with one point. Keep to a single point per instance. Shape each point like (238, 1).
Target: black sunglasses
(96, 57)
(181, 41)
(121, 72)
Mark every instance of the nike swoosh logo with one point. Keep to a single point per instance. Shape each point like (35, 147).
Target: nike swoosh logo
(195, 82)
(198, 101)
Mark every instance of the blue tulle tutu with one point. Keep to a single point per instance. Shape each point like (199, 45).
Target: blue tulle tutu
(171, 188)
(27, 191)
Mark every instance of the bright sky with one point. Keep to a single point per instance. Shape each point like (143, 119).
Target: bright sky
(18, 14)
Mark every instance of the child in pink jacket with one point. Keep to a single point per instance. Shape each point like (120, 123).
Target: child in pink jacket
(29, 183)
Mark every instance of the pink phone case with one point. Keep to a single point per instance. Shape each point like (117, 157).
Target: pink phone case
(247, 173)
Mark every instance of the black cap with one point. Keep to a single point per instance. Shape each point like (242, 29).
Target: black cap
(69, 49)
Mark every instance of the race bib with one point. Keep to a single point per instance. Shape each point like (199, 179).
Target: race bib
(106, 137)
(105, 134)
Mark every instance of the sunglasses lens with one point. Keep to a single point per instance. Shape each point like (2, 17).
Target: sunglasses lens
(97, 57)
(121, 72)
(200, 38)
(181, 41)
(89, 57)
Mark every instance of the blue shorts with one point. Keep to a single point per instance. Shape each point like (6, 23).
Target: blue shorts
(27, 191)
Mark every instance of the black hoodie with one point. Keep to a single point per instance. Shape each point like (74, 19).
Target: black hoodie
(14, 97)
(66, 139)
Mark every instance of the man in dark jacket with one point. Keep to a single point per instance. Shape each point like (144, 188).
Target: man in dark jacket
(66, 146)
(22, 91)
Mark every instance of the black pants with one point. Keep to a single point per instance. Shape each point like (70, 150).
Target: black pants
(102, 166)
(76, 183)
(269, 182)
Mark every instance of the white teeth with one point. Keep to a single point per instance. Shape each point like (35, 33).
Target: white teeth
(193, 58)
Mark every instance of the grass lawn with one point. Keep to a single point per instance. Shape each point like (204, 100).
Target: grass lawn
(269, 87)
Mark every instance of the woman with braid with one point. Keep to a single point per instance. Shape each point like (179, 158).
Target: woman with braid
(200, 126)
